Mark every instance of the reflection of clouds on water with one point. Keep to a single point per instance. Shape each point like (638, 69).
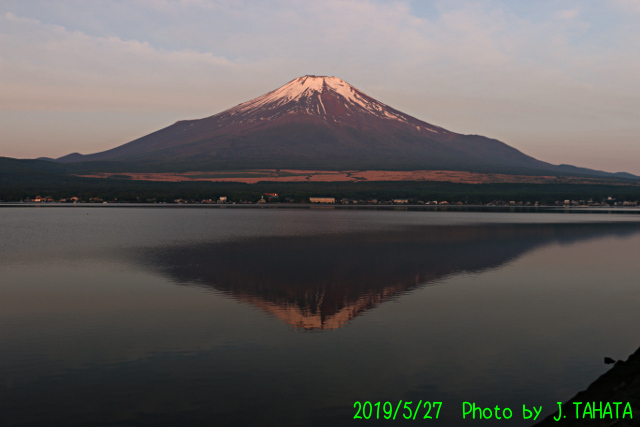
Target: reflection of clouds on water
(322, 282)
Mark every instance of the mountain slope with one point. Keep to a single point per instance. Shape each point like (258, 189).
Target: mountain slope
(317, 122)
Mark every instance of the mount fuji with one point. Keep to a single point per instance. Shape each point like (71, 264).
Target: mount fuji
(320, 123)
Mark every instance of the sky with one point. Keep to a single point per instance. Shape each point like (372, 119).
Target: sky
(556, 79)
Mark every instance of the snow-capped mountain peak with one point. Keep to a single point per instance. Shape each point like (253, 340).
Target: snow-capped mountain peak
(329, 98)
(309, 85)
(316, 123)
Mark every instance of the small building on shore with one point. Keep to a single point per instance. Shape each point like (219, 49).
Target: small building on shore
(322, 199)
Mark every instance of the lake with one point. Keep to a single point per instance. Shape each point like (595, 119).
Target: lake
(193, 316)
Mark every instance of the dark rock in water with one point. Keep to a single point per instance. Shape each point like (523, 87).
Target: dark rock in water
(620, 384)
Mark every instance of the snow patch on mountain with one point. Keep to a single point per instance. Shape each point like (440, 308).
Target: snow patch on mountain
(329, 98)
(305, 94)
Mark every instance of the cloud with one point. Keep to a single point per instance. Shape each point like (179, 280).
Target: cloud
(11, 17)
(566, 15)
(51, 67)
(629, 5)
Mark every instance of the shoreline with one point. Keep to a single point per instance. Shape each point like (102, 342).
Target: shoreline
(379, 206)
(621, 383)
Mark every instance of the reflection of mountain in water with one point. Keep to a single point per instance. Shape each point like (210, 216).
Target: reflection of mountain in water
(321, 282)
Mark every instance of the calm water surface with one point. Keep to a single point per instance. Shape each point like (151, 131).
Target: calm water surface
(189, 317)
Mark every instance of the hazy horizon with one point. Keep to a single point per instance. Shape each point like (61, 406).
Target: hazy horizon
(559, 81)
